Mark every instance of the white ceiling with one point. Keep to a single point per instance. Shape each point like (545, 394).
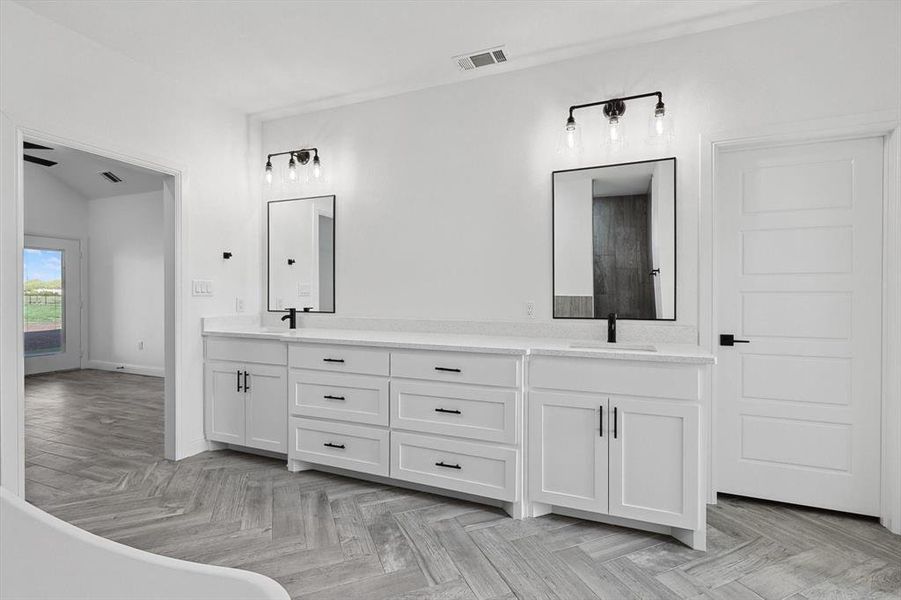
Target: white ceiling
(274, 57)
(80, 171)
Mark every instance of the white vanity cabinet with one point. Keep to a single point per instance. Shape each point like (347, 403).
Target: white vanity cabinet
(617, 438)
(533, 427)
(245, 400)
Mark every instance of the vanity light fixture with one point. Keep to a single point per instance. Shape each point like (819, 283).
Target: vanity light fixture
(614, 108)
(301, 156)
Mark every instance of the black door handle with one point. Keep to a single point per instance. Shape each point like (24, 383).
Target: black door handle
(444, 464)
(239, 381)
(334, 360)
(447, 369)
(601, 410)
(331, 445)
(246, 381)
(728, 339)
(614, 422)
(330, 397)
(448, 410)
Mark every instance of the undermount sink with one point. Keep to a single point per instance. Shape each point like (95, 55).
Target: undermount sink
(615, 346)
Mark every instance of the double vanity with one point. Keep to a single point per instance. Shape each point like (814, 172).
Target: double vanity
(602, 432)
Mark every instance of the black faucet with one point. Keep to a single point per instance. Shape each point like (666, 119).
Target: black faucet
(292, 318)
(611, 328)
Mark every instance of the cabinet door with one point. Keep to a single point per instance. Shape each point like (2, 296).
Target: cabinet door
(224, 402)
(266, 408)
(568, 436)
(655, 461)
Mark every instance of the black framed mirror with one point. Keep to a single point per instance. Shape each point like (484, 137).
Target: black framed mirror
(614, 241)
(301, 254)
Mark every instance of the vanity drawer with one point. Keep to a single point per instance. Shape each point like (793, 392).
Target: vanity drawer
(466, 467)
(358, 398)
(461, 367)
(626, 377)
(246, 350)
(354, 447)
(345, 359)
(487, 414)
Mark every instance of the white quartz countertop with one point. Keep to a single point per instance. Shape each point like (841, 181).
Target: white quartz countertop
(672, 353)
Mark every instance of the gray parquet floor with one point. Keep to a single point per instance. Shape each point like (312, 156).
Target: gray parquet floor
(94, 459)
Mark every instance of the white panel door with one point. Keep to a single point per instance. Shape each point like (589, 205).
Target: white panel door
(266, 407)
(568, 450)
(655, 461)
(52, 304)
(799, 278)
(224, 402)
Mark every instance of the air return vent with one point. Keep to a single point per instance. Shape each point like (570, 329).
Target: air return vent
(482, 58)
(111, 177)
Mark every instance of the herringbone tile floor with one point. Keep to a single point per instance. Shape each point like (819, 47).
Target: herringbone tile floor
(94, 458)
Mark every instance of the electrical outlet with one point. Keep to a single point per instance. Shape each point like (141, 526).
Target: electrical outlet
(239, 305)
(140, 344)
(530, 309)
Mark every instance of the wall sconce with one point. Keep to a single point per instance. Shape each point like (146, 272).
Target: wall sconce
(301, 156)
(660, 127)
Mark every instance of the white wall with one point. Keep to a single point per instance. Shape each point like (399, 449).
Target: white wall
(125, 289)
(52, 208)
(574, 238)
(443, 195)
(67, 91)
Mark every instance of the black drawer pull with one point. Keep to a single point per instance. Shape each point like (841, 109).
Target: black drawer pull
(330, 397)
(448, 369)
(447, 466)
(246, 381)
(601, 427)
(239, 380)
(331, 445)
(334, 360)
(448, 410)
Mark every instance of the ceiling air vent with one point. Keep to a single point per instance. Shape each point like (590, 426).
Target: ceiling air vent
(482, 58)
(111, 177)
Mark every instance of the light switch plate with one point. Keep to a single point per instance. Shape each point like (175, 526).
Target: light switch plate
(202, 287)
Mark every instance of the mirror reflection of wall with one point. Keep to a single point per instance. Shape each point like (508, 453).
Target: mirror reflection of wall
(615, 241)
(302, 254)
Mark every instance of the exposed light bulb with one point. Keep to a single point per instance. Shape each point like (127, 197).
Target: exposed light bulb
(660, 128)
(571, 128)
(317, 167)
(292, 169)
(268, 171)
(571, 138)
(614, 130)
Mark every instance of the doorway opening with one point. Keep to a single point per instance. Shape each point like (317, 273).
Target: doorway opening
(95, 274)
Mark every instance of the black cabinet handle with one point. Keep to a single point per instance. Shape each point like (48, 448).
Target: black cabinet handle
(448, 369)
(614, 422)
(447, 466)
(331, 445)
(448, 410)
(334, 360)
(601, 410)
(728, 339)
(330, 397)
(246, 381)
(239, 381)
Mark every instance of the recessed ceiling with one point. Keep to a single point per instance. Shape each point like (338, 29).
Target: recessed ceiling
(272, 57)
(81, 171)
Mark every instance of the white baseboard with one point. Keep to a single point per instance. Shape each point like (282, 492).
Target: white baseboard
(125, 368)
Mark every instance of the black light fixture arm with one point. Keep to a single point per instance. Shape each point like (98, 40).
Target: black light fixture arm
(616, 100)
(296, 153)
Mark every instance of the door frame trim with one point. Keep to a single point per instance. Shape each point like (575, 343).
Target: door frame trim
(176, 248)
(885, 124)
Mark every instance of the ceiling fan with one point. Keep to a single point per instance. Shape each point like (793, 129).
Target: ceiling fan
(35, 159)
